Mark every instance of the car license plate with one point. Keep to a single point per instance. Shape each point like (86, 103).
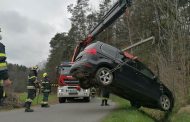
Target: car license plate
(72, 91)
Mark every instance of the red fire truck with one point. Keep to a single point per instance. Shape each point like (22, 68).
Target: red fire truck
(68, 87)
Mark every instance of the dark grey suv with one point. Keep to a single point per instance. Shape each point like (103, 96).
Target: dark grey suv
(101, 64)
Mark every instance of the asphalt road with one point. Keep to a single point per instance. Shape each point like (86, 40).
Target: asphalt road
(66, 112)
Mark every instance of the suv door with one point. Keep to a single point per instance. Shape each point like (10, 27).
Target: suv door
(148, 86)
(126, 79)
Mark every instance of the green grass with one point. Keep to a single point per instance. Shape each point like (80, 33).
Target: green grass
(126, 113)
(182, 117)
(52, 98)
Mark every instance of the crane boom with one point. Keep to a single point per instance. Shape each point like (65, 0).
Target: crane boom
(114, 13)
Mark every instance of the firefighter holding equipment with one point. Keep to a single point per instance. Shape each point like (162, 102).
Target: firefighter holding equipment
(4, 77)
(32, 87)
(46, 89)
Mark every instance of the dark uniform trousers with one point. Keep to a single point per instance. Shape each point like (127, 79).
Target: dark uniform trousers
(2, 93)
(105, 92)
(31, 95)
(3, 70)
(45, 98)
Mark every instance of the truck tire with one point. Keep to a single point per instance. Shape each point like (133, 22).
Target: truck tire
(87, 99)
(62, 100)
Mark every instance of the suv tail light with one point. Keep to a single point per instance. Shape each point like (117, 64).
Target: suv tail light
(91, 51)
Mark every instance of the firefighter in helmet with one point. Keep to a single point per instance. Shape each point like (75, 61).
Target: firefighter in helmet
(4, 77)
(32, 87)
(46, 89)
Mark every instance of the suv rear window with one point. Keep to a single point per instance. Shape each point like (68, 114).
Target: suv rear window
(91, 46)
(109, 50)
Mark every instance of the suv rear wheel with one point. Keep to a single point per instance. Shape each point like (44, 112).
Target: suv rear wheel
(104, 76)
(165, 103)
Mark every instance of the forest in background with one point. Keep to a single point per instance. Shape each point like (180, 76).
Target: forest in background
(19, 75)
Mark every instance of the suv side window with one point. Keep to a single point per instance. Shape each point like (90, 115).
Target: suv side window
(120, 56)
(143, 69)
(109, 50)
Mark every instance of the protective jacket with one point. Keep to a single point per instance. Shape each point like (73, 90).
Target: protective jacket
(46, 86)
(32, 80)
(3, 64)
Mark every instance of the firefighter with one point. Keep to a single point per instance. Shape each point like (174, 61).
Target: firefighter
(105, 93)
(4, 77)
(46, 89)
(32, 87)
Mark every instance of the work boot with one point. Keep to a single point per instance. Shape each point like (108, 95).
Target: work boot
(27, 105)
(29, 110)
(106, 103)
(45, 105)
(42, 105)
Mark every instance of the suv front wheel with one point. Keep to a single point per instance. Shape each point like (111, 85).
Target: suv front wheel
(104, 76)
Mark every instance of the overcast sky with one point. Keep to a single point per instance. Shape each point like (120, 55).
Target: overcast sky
(28, 26)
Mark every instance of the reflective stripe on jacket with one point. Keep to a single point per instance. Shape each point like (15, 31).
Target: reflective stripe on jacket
(31, 87)
(31, 80)
(3, 64)
(29, 100)
(32, 77)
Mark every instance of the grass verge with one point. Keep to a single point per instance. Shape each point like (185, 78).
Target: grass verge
(126, 113)
(180, 117)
